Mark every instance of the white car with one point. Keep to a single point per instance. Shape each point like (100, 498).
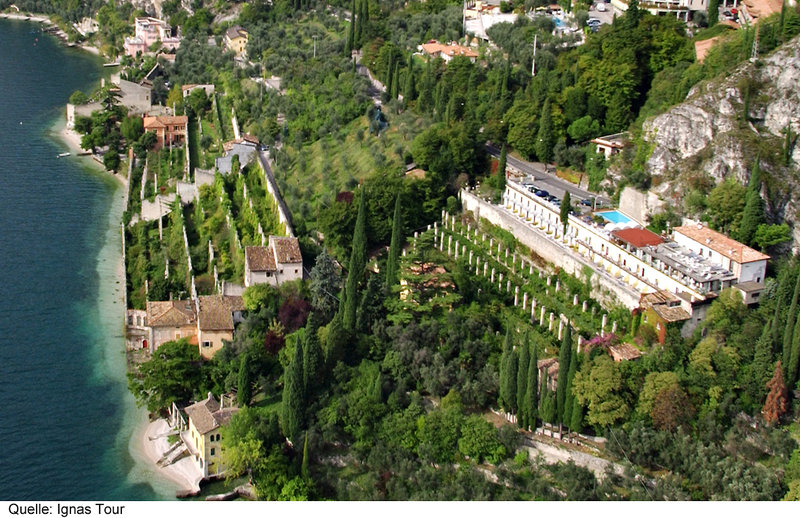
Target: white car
(601, 7)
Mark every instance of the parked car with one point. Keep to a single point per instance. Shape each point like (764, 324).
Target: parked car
(542, 193)
(593, 21)
(551, 198)
(587, 202)
(601, 7)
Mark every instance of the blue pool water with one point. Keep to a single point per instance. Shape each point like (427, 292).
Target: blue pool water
(614, 216)
(559, 22)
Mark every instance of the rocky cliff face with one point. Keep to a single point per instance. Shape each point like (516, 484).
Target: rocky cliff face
(708, 134)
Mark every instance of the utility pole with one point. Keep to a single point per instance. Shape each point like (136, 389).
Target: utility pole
(533, 62)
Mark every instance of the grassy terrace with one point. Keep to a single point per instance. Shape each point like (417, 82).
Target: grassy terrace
(312, 176)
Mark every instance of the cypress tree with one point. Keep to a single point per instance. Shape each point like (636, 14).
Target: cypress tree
(358, 261)
(244, 391)
(531, 401)
(313, 359)
(389, 72)
(293, 399)
(790, 321)
(565, 206)
(576, 420)
(351, 33)
(394, 246)
(753, 213)
(713, 12)
(304, 465)
(547, 404)
(794, 358)
(426, 93)
(570, 398)
(762, 363)
(359, 20)
(501, 169)
(544, 139)
(409, 88)
(522, 384)
(395, 81)
(335, 340)
(563, 372)
(508, 375)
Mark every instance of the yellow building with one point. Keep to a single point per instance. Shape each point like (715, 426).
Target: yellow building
(216, 316)
(236, 40)
(203, 435)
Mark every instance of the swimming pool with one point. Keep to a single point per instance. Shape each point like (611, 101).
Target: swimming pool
(614, 216)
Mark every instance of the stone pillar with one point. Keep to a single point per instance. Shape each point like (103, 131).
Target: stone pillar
(477, 270)
(416, 235)
(614, 327)
(583, 307)
(516, 295)
(575, 300)
(456, 257)
(463, 249)
(483, 237)
(550, 324)
(580, 342)
(500, 280)
(470, 257)
(541, 317)
(485, 268)
(531, 271)
(558, 285)
(491, 279)
(548, 280)
(603, 328)
(560, 329)
(508, 287)
(491, 245)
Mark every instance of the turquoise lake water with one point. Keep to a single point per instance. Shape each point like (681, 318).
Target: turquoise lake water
(67, 418)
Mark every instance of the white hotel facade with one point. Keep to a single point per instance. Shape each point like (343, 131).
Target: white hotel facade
(695, 265)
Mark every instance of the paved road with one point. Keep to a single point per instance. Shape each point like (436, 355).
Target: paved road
(548, 181)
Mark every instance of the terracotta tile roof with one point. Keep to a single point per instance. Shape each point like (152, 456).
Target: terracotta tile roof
(286, 250)
(648, 300)
(671, 313)
(207, 415)
(638, 237)
(624, 352)
(721, 244)
(162, 121)
(170, 313)
(236, 32)
(260, 258)
(434, 47)
(216, 312)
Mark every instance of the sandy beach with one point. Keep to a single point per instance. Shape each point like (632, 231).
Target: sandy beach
(153, 442)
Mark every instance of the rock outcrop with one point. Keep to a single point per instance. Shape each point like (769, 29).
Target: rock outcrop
(709, 135)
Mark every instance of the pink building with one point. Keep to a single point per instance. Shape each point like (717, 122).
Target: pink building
(147, 31)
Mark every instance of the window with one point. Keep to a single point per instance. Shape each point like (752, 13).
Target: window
(296, 270)
(212, 452)
(217, 437)
(206, 344)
